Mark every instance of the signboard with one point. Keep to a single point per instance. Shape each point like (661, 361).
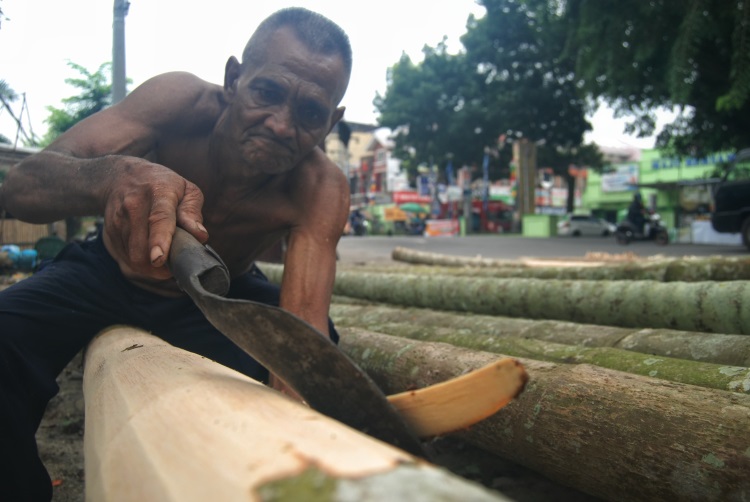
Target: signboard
(441, 228)
(454, 193)
(623, 179)
(410, 196)
(393, 213)
(423, 184)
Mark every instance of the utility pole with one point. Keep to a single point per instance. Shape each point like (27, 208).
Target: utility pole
(119, 78)
(524, 153)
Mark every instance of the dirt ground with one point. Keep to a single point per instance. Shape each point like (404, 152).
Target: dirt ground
(60, 442)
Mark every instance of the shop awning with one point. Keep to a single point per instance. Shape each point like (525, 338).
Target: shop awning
(674, 185)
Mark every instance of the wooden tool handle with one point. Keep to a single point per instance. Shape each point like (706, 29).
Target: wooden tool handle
(189, 258)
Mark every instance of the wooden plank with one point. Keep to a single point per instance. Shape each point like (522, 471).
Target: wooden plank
(165, 424)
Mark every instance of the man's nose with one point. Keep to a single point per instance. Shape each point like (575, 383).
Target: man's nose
(281, 122)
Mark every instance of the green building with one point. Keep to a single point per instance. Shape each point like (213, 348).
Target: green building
(680, 190)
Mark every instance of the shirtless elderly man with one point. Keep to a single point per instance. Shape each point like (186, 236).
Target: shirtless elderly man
(237, 166)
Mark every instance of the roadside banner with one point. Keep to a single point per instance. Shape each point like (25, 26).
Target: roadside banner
(441, 228)
(393, 213)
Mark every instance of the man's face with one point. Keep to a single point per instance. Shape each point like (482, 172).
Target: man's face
(282, 107)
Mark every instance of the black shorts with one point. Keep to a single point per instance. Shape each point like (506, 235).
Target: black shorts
(54, 313)
(47, 319)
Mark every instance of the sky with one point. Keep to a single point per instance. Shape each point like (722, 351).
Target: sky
(41, 36)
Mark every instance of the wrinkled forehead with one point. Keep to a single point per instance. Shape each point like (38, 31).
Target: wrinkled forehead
(283, 52)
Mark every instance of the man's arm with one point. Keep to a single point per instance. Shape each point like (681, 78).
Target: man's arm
(101, 167)
(310, 264)
(322, 201)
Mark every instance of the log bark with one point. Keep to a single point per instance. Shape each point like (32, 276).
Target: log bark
(718, 307)
(165, 424)
(691, 269)
(729, 350)
(713, 376)
(613, 435)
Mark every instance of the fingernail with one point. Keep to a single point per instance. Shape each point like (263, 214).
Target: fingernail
(156, 253)
(201, 227)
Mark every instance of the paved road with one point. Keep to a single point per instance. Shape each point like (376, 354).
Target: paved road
(377, 248)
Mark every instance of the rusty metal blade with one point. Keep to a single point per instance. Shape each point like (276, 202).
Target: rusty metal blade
(294, 350)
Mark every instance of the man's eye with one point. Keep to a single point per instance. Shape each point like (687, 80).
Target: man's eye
(312, 117)
(266, 96)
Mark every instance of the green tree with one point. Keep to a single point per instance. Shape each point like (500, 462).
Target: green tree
(95, 95)
(7, 96)
(691, 54)
(425, 104)
(528, 87)
(511, 81)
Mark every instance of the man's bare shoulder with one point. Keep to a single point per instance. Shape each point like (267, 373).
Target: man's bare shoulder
(318, 168)
(319, 181)
(175, 98)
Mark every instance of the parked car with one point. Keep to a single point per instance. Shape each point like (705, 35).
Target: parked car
(577, 225)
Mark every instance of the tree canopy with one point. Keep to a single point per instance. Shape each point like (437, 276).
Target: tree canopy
(512, 81)
(7, 96)
(534, 68)
(691, 54)
(95, 95)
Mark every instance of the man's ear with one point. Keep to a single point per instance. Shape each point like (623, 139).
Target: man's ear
(338, 114)
(232, 72)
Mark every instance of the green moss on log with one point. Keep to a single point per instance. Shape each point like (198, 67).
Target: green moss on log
(728, 350)
(719, 307)
(416, 483)
(689, 269)
(614, 435)
(312, 485)
(714, 376)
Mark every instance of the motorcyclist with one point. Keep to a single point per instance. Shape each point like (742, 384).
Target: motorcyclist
(637, 213)
(357, 220)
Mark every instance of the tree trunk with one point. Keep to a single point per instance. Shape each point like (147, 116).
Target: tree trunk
(719, 307)
(715, 307)
(731, 350)
(614, 435)
(715, 268)
(714, 376)
(165, 424)
(593, 271)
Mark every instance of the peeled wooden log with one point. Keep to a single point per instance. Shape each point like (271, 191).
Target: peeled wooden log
(692, 269)
(610, 434)
(165, 424)
(713, 376)
(719, 307)
(425, 258)
(730, 350)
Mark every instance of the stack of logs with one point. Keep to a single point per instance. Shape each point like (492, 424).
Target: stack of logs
(639, 381)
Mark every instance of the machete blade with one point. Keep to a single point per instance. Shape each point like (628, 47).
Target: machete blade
(291, 348)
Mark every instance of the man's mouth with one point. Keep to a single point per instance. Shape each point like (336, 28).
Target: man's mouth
(269, 143)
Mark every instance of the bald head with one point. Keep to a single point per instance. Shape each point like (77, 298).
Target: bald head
(318, 33)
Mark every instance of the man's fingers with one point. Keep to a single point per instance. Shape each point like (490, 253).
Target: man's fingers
(161, 225)
(189, 212)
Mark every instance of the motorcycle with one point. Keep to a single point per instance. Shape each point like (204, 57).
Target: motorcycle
(654, 230)
(358, 223)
